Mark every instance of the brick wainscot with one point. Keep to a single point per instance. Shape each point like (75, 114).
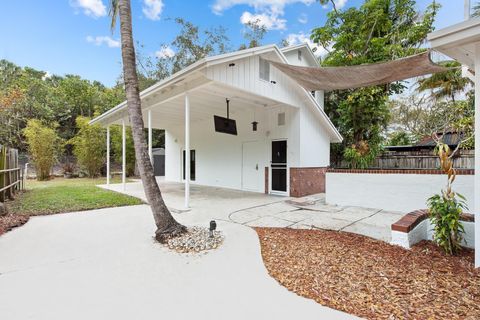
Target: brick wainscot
(307, 181)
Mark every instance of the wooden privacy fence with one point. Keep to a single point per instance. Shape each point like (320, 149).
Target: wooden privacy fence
(464, 159)
(11, 176)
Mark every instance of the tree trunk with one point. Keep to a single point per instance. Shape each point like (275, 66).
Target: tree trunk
(167, 226)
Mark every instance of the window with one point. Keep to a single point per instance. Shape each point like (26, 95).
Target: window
(264, 70)
(192, 165)
(281, 119)
(299, 55)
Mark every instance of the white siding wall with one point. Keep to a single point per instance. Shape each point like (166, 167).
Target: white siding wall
(219, 156)
(292, 57)
(245, 75)
(314, 141)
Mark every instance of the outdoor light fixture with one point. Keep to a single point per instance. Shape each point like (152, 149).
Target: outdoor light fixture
(231, 65)
(213, 227)
(255, 122)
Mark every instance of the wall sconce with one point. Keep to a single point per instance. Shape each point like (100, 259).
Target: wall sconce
(254, 125)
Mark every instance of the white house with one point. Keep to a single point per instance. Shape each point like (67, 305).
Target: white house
(277, 136)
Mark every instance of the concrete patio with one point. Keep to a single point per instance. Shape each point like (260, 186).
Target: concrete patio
(260, 210)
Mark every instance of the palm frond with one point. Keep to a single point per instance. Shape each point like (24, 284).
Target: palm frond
(113, 13)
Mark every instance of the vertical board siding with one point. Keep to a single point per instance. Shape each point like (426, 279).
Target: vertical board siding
(245, 75)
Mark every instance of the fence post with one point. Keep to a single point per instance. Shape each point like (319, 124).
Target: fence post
(2, 174)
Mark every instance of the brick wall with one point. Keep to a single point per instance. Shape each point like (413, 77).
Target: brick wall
(401, 171)
(307, 181)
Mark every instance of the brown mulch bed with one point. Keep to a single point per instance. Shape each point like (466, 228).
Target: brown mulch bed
(10, 221)
(371, 278)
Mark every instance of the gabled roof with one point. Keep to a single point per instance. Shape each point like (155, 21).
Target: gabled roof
(306, 49)
(224, 58)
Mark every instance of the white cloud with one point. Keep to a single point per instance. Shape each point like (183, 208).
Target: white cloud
(92, 8)
(303, 19)
(274, 6)
(101, 40)
(269, 21)
(269, 12)
(338, 3)
(298, 38)
(165, 52)
(152, 9)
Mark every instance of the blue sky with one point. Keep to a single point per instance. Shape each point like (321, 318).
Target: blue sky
(73, 36)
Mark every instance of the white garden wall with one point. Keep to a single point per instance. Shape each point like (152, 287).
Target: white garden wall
(396, 192)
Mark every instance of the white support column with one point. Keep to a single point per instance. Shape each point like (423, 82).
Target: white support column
(187, 151)
(467, 9)
(150, 138)
(108, 155)
(124, 155)
(477, 156)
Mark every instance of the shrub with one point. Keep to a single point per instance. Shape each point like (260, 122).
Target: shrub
(89, 146)
(446, 208)
(43, 145)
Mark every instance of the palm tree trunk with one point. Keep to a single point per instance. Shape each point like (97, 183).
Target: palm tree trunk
(167, 226)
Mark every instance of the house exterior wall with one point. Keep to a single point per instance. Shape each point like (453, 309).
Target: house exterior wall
(245, 75)
(396, 192)
(219, 156)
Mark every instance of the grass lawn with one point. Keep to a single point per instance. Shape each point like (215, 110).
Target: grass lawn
(66, 195)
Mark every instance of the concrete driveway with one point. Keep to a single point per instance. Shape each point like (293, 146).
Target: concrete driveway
(104, 264)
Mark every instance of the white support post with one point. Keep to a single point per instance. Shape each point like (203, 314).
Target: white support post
(477, 156)
(467, 9)
(150, 138)
(124, 155)
(108, 155)
(187, 151)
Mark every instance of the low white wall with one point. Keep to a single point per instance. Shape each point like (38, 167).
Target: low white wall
(424, 231)
(396, 192)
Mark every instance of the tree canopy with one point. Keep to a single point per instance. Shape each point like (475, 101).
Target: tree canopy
(378, 30)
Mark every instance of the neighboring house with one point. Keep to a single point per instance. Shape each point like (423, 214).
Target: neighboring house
(279, 142)
(450, 138)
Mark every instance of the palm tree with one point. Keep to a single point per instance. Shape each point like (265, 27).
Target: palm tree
(445, 84)
(167, 226)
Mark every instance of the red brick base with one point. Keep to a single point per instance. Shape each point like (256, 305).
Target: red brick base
(307, 181)
(266, 180)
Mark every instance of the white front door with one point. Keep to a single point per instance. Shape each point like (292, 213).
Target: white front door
(251, 166)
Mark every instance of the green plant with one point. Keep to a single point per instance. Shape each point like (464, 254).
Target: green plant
(446, 208)
(43, 145)
(89, 146)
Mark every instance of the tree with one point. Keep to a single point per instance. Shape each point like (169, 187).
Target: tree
(254, 33)
(423, 117)
(379, 30)
(400, 138)
(167, 226)
(89, 147)
(43, 145)
(190, 45)
(445, 85)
